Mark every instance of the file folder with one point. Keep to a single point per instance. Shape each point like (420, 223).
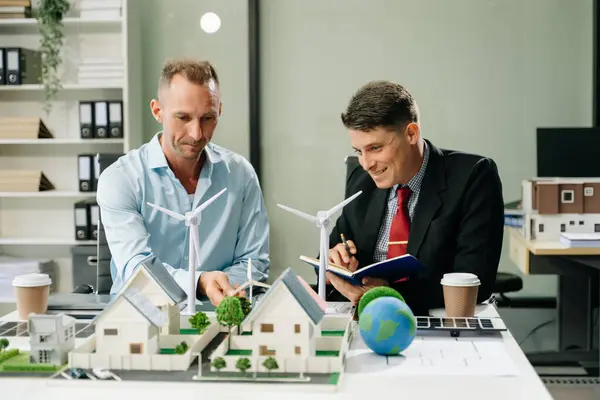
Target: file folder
(101, 119)
(2, 66)
(86, 119)
(115, 119)
(96, 171)
(94, 215)
(82, 221)
(23, 66)
(86, 172)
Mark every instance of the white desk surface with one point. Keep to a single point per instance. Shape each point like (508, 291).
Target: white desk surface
(354, 385)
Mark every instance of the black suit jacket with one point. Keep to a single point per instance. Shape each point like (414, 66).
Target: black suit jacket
(457, 226)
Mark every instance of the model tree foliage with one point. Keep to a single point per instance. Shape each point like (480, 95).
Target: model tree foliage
(4, 344)
(219, 363)
(246, 306)
(181, 348)
(230, 314)
(199, 321)
(270, 364)
(243, 364)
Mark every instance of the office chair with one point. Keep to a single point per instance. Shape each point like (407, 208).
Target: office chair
(505, 282)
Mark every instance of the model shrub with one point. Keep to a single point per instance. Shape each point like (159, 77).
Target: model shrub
(376, 292)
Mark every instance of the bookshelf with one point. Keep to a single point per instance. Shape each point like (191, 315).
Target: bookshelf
(41, 224)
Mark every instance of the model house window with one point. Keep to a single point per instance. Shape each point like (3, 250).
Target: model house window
(111, 332)
(135, 348)
(264, 351)
(541, 228)
(588, 191)
(297, 328)
(596, 227)
(571, 222)
(568, 196)
(297, 350)
(43, 356)
(580, 222)
(563, 227)
(266, 328)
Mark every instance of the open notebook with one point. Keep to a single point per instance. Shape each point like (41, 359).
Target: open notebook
(392, 270)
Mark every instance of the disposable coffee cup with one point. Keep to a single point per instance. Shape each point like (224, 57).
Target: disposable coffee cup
(32, 291)
(460, 294)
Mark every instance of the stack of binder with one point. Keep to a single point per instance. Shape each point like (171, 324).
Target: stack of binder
(101, 119)
(20, 66)
(24, 181)
(10, 267)
(10, 9)
(23, 128)
(87, 214)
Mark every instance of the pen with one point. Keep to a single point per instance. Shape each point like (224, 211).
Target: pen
(345, 243)
(400, 242)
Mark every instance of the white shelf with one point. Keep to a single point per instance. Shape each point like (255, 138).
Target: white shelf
(59, 141)
(30, 25)
(66, 86)
(47, 194)
(31, 241)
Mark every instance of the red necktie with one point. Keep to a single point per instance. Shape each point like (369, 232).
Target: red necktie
(400, 225)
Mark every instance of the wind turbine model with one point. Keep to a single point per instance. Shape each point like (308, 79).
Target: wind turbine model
(192, 220)
(323, 221)
(250, 282)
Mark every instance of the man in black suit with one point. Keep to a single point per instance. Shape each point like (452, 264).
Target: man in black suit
(454, 212)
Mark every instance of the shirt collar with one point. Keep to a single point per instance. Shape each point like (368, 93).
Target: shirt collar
(415, 182)
(157, 159)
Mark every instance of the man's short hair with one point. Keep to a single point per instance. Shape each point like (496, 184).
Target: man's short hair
(195, 71)
(380, 104)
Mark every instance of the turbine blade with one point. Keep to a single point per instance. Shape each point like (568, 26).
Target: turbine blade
(168, 212)
(301, 214)
(244, 286)
(207, 203)
(249, 274)
(342, 204)
(261, 284)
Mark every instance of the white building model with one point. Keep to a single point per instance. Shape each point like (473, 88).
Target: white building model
(552, 206)
(289, 324)
(51, 338)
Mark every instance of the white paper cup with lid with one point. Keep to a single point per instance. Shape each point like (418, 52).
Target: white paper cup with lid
(32, 291)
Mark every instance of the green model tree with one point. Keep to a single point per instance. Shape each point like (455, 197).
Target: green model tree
(243, 364)
(219, 363)
(181, 348)
(270, 364)
(246, 306)
(4, 344)
(230, 314)
(376, 292)
(199, 321)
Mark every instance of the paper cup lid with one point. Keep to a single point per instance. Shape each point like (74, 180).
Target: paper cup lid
(32, 280)
(460, 279)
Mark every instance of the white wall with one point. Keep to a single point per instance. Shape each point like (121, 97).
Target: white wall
(485, 74)
(172, 29)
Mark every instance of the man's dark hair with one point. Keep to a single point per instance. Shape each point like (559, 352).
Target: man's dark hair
(380, 104)
(196, 71)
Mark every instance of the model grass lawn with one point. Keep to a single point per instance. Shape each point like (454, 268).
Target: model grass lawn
(18, 361)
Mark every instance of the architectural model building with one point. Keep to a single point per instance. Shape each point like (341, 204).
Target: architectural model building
(552, 206)
(153, 281)
(287, 325)
(51, 338)
(129, 325)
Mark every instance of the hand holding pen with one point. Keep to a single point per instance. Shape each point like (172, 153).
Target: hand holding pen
(343, 254)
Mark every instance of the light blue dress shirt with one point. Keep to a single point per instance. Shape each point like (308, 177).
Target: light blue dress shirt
(232, 229)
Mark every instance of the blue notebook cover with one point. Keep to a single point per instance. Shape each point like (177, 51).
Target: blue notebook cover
(392, 270)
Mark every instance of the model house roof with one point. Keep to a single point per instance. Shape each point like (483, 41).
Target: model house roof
(60, 320)
(290, 280)
(141, 304)
(164, 279)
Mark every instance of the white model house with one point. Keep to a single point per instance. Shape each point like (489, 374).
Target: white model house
(286, 321)
(130, 324)
(153, 281)
(51, 338)
(553, 206)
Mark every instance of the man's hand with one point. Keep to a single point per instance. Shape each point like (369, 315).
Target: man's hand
(215, 285)
(354, 292)
(340, 256)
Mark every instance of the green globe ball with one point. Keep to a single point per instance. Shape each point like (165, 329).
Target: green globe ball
(376, 292)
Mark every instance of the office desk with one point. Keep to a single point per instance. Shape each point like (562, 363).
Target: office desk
(578, 271)
(354, 385)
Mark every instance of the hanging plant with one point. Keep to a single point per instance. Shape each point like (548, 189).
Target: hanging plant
(49, 17)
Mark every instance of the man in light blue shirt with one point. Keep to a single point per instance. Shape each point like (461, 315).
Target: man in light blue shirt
(178, 170)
